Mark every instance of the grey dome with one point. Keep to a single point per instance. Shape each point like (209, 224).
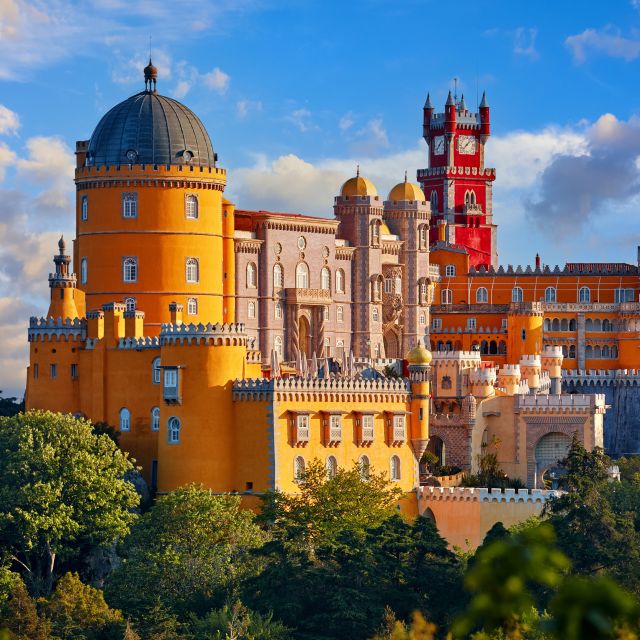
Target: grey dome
(148, 128)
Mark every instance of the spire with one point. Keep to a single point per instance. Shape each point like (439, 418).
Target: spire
(62, 245)
(150, 77)
(357, 171)
(462, 106)
(484, 104)
(449, 100)
(405, 176)
(427, 104)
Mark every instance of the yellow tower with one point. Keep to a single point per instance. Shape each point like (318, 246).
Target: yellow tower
(419, 359)
(150, 222)
(524, 328)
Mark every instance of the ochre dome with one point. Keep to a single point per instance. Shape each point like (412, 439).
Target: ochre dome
(358, 186)
(148, 128)
(406, 191)
(419, 355)
(384, 229)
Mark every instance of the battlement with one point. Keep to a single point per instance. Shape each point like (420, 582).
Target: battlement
(139, 343)
(484, 376)
(455, 356)
(479, 494)
(331, 389)
(254, 357)
(143, 170)
(552, 352)
(39, 328)
(567, 403)
(510, 370)
(530, 361)
(227, 334)
(603, 377)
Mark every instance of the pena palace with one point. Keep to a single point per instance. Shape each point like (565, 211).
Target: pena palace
(231, 347)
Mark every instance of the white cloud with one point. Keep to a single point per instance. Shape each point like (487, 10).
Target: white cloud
(7, 158)
(524, 42)
(347, 121)
(301, 119)
(608, 41)
(245, 107)
(216, 80)
(9, 120)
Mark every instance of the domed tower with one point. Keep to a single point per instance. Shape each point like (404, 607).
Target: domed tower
(407, 213)
(419, 359)
(358, 209)
(151, 224)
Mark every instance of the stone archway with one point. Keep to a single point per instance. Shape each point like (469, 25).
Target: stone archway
(305, 336)
(391, 344)
(549, 450)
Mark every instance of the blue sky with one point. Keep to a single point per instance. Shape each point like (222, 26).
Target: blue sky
(294, 94)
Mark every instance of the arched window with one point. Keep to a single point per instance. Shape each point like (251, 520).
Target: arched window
(446, 296)
(251, 310)
(589, 351)
(125, 419)
(547, 324)
(340, 348)
(325, 278)
(156, 371)
(375, 233)
(278, 278)
(191, 206)
(423, 319)
(130, 304)
(173, 430)
(550, 294)
(572, 324)
(192, 268)
(325, 313)
(340, 281)
(364, 466)
(130, 269)
(516, 294)
(482, 295)
(252, 276)
(332, 467)
(302, 275)
(339, 314)
(572, 350)
(395, 468)
(85, 208)
(84, 271)
(155, 419)
(564, 325)
(450, 270)
(398, 284)
(374, 314)
(298, 469)
(555, 324)
(423, 238)
(584, 294)
(192, 306)
(277, 346)
(606, 353)
(277, 310)
(434, 201)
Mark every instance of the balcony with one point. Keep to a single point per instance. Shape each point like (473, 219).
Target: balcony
(294, 295)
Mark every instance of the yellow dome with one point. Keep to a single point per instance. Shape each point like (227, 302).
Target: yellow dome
(406, 191)
(358, 186)
(384, 229)
(419, 355)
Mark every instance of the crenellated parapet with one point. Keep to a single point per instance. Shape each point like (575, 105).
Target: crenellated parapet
(56, 328)
(227, 334)
(464, 359)
(568, 403)
(604, 377)
(480, 494)
(144, 342)
(318, 389)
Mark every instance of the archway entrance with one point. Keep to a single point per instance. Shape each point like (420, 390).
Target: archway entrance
(305, 336)
(391, 345)
(550, 449)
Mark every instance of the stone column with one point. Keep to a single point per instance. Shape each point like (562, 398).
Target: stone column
(320, 332)
(294, 333)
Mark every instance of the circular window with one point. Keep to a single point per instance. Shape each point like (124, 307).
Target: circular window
(132, 155)
(277, 249)
(302, 243)
(187, 155)
(325, 252)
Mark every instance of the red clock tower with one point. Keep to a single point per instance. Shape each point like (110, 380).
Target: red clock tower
(457, 182)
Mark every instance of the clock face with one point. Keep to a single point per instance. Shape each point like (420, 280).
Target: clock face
(467, 145)
(132, 155)
(438, 145)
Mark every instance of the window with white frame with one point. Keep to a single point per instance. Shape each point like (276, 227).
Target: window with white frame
(251, 310)
(624, 295)
(130, 269)
(482, 295)
(339, 313)
(298, 469)
(398, 428)
(367, 428)
(584, 294)
(340, 281)
(471, 324)
(302, 276)
(340, 348)
(375, 233)
(364, 467)
(436, 324)
(192, 306)
(191, 206)
(252, 275)
(325, 313)
(327, 347)
(129, 205)
(155, 419)
(156, 371)
(278, 278)
(278, 310)
(504, 323)
(277, 346)
(325, 278)
(84, 208)
(423, 237)
(517, 294)
(423, 318)
(192, 270)
(335, 428)
(424, 293)
(84, 271)
(171, 378)
(332, 467)
(130, 304)
(125, 419)
(302, 428)
(375, 314)
(450, 270)
(550, 294)
(388, 285)
(446, 296)
(394, 468)
(173, 430)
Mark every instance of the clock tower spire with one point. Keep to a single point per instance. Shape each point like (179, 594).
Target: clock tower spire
(456, 180)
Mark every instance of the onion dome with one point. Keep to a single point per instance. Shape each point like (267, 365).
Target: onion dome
(358, 186)
(419, 355)
(406, 191)
(149, 128)
(384, 229)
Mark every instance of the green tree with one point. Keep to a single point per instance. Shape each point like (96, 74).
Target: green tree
(61, 490)
(191, 550)
(10, 406)
(79, 612)
(18, 612)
